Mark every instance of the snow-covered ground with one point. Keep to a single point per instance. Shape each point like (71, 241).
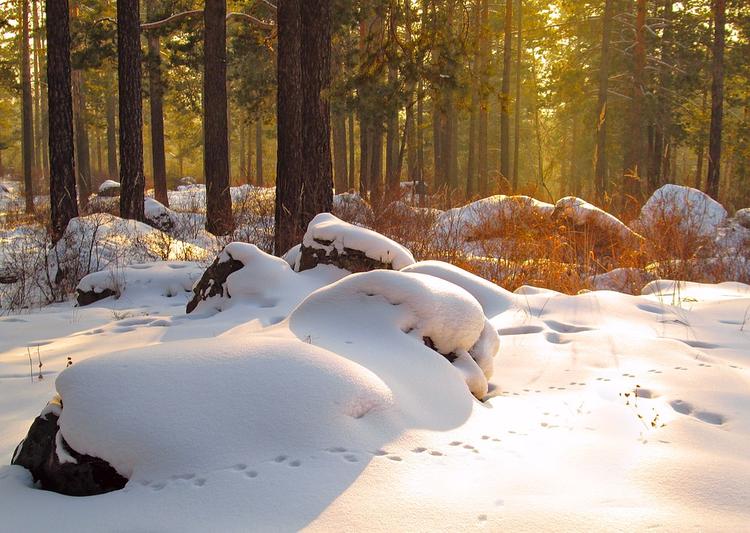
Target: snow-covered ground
(605, 411)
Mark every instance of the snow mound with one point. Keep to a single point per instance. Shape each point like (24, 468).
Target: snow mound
(694, 212)
(100, 241)
(581, 214)
(494, 210)
(142, 282)
(109, 188)
(158, 215)
(206, 404)
(742, 216)
(437, 313)
(328, 238)
(628, 280)
(493, 299)
(244, 274)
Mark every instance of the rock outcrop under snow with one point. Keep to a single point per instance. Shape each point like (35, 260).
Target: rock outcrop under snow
(693, 212)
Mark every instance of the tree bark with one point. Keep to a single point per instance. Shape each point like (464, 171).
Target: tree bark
(717, 101)
(132, 181)
(83, 154)
(156, 108)
(259, 153)
(351, 172)
(601, 184)
(289, 125)
(243, 173)
(339, 151)
(517, 118)
(110, 104)
(215, 128)
(633, 167)
(505, 96)
(27, 118)
(38, 144)
(484, 51)
(62, 181)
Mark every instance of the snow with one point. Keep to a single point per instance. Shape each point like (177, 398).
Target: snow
(109, 184)
(580, 212)
(340, 235)
(312, 402)
(742, 216)
(694, 212)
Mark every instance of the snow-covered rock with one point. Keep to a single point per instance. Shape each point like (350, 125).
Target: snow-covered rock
(694, 213)
(140, 282)
(602, 231)
(158, 215)
(430, 310)
(490, 214)
(109, 188)
(626, 280)
(351, 207)
(244, 274)
(329, 240)
(742, 217)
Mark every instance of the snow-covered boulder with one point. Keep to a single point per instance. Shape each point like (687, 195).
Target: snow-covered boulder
(186, 181)
(594, 227)
(158, 215)
(243, 273)
(493, 298)
(487, 216)
(109, 188)
(351, 207)
(387, 306)
(141, 282)
(742, 217)
(331, 241)
(58, 467)
(691, 212)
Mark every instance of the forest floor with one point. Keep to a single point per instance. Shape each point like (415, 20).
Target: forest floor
(310, 400)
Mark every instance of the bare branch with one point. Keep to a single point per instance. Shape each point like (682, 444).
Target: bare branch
(195, 13)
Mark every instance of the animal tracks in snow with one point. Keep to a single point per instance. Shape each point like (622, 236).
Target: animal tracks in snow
(687, 409)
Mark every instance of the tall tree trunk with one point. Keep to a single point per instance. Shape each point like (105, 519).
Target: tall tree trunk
(601, 183)
(110, 104)
(259, 153)
(351, 173)
(132, 181)
(517, 118)
(392, 178)
(243, 165)
(62, 181)
(364, 154)
(420, 143)
(438, 118)
(633, 167)
(289, 167)
(156, 107)
(484, 51)
(339, 150)
(83, 155)
(701, 146)
(574, 177)
(27, 118)
(717, 101)
(99, 168)
(38, 145)
(505, 95)
(215, 128)
(250, 145)
(451, 147)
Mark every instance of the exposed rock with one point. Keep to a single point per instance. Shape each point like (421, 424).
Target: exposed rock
(348, 259)
(59, 468)
(213, 280)
(84, 298)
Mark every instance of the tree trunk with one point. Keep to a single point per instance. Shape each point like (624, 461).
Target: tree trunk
(62, 181)
(27, 118)
(505, 96)
(701, 146)
(99, 168)
(132, 181)
(243, 165)
(717, 101)
(601, 184)
(215, 129)
(289, 125)
(633, 167)
(83, 154)
(517, 118)
(339, 150)
(351, 173)
(110, 105)
(38, 144)
(156, 107)
(259, 153)
(484, 52)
